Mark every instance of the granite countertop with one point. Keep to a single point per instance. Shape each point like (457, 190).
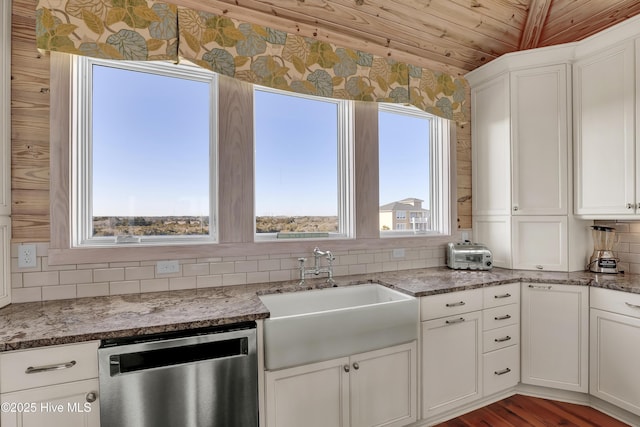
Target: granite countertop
(29, 325)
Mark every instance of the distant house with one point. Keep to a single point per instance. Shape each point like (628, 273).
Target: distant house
(407, 214)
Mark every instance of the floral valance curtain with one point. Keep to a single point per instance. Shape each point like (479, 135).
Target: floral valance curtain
(145, 30)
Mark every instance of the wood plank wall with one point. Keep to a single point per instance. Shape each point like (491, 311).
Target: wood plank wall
(30, 101)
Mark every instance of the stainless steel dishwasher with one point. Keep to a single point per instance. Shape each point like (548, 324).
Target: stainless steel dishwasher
(202, 378)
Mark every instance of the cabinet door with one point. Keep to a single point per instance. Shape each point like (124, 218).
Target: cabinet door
(555, 336)
(615, 351)
(495, 232)
(604, 149)
(539, 153)
(315, 395)
(451, 362)
(383, 387)
(491, 150)
(540, 243)
(72, 404)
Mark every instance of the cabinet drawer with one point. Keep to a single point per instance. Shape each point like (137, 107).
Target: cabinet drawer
(501, 316)
(615, 301)
(24, 369)
(495, 296)
(501, 369)
(500, 338)
(442, 305)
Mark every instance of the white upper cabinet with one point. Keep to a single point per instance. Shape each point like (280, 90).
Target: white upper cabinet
(491, 148)
(520, 132)
(539, 139)
(605, 140)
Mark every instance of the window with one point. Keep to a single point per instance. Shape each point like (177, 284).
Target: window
(413, 171)
(302, 166)
(143, 153)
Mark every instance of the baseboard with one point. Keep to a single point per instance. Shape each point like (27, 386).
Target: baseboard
(543, 393)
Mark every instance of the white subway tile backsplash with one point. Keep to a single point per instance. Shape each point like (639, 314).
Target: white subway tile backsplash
(99, 279)
(58, 292)
(92, 289)
(108, 274)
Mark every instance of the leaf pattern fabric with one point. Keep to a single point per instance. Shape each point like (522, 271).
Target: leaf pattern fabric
(137, 30)
(144, 30)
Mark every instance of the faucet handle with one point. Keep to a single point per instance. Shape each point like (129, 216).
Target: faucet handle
(302, 260)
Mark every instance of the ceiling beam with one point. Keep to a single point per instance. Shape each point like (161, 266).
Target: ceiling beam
(538, 11)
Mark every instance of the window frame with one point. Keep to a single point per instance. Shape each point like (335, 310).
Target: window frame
(82, 145)
(442, 169)
(345, 167)
(235, 163)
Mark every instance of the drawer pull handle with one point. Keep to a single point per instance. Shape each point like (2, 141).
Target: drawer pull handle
(507, 338)
(502, 296)
(48, 368)
(504, 371)
(456, 304)
(505, 317)
(632, 305)
(454, 321)
(539, 287)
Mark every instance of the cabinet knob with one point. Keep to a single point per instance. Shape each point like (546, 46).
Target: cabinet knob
(630, 205)
(91, 397)
(346, 368)
(515, 208)
(356, 366)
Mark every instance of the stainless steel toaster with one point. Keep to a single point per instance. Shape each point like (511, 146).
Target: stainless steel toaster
(469, 256)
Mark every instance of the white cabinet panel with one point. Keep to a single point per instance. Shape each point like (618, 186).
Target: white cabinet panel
(495, 232)
(372, 389)
(315, 395)
(540, 242)
(5, 260)
(615, 352)
(555, 336)
(5, 107)
(451, 362)
(501, 369)
(383, 386)
(491, 148)
(605, 148)
(539, 152)
(71, 404)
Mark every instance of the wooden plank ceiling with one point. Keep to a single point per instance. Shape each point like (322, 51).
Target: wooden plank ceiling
(456, 36)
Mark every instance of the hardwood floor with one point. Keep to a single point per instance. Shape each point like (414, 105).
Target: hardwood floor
(522, 411)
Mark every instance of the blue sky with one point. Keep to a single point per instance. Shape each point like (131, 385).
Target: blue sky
(138, 171)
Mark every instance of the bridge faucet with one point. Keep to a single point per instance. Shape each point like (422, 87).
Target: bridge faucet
(317, 269)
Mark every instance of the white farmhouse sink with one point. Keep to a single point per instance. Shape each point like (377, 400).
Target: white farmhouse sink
(322, 324)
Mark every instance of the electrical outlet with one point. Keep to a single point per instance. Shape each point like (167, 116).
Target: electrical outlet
(167, 267)
(26, 255)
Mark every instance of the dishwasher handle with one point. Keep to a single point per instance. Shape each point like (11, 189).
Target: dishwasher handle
(149, 359)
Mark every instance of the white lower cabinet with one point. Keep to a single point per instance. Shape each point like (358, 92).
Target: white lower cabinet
(451, 362)
(501, 338)
(376, 388)
(555, 336)
(615, 348)
(471, 352)
(451, 350)
(53, 386)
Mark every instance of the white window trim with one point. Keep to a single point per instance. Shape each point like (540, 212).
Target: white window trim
(345, 167)
(81, 155)
(442, 168)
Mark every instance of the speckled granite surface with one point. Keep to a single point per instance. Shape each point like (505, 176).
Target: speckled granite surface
(31, 325)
